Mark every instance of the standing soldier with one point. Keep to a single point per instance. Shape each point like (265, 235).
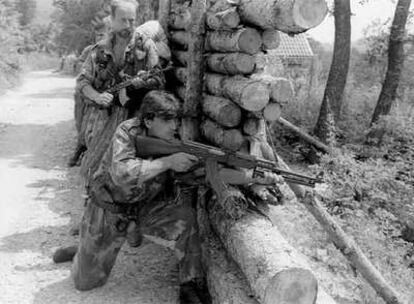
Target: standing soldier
(119, 57)
(81, 109)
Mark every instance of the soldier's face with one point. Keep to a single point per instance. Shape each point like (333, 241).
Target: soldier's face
(162, 128)
(123, 21)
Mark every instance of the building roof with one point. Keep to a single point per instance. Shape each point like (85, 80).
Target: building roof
(294, 47)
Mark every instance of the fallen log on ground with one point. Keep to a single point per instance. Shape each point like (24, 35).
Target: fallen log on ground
(343, 243)
(318, 144)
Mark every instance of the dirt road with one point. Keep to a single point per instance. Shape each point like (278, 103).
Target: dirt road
(40, 198)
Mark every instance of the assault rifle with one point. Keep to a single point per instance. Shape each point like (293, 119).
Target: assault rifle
(150, 146)
(130, 81)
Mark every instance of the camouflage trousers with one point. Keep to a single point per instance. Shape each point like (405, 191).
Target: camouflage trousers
(173, 226)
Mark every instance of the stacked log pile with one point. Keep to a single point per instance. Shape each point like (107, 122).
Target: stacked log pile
(236, 101)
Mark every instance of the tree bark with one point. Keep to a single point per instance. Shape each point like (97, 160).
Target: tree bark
(225, 20)
(245, 40)
(231, 139)
(395, 60)
(289, 16)
(250, 95)
(275, 272)
(231, 64)
(281, 89)
(332, 99)
(221, 110)
(164, 8)
(346, 245)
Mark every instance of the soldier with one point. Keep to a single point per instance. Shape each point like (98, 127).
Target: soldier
(119, 57)
(131, 197)
(81, 110)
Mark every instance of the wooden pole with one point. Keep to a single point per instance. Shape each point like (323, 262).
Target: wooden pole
(318, 144)
(345, 244)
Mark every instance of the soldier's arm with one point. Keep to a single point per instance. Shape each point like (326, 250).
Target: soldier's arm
(85, 80)
(128, 170)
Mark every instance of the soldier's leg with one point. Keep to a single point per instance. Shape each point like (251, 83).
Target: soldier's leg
(175, 227)
(99, 245)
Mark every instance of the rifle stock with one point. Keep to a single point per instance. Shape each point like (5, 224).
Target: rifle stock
(150, 146)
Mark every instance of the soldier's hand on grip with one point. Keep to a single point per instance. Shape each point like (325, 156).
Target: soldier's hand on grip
(182, 162)
(104, 99)
(269, 178)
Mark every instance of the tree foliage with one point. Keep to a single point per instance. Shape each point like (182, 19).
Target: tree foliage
(74, 20)
(27, 11)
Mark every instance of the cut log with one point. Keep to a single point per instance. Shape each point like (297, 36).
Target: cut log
(180, 19)
(221, 110)
(180, 57)
(251, 95)
(272, 112)
(226, 283)
(318, 144)
(181, 74)
(225, 20)
(231, 64)
(281, 89)
(231, 139)
(342, 242)
(179, 37)
(245, 40)
(271, 39)
(275, 271)
(252, 126)
(289, 16)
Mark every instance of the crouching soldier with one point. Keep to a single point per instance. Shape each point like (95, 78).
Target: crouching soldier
(133, 197)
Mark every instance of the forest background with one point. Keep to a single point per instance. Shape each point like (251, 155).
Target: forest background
(370, 171)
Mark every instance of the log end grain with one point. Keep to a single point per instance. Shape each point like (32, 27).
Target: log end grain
(255, 96)
(271, 39)
(272, 112)
(292, 286)
(309, 13)
(250, 41)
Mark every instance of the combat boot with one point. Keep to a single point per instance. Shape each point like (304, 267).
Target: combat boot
(64, 254)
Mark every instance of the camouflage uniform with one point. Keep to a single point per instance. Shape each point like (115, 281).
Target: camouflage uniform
(100, 71)
(156, 211)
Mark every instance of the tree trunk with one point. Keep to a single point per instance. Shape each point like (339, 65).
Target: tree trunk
(281, 89)
(332, 99)
(164, 8)
(395, 60)
(225, 20)
(250, 95)
(231, 139)
(289, 16)
(231, 64)
(221, 110)
(245, 40)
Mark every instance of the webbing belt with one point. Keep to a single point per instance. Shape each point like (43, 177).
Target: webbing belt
(126, 209)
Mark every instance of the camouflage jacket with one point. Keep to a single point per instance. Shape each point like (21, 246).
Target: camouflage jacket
(100, 70)
(120, 176)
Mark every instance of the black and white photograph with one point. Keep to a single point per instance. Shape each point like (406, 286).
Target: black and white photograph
(206, 152)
